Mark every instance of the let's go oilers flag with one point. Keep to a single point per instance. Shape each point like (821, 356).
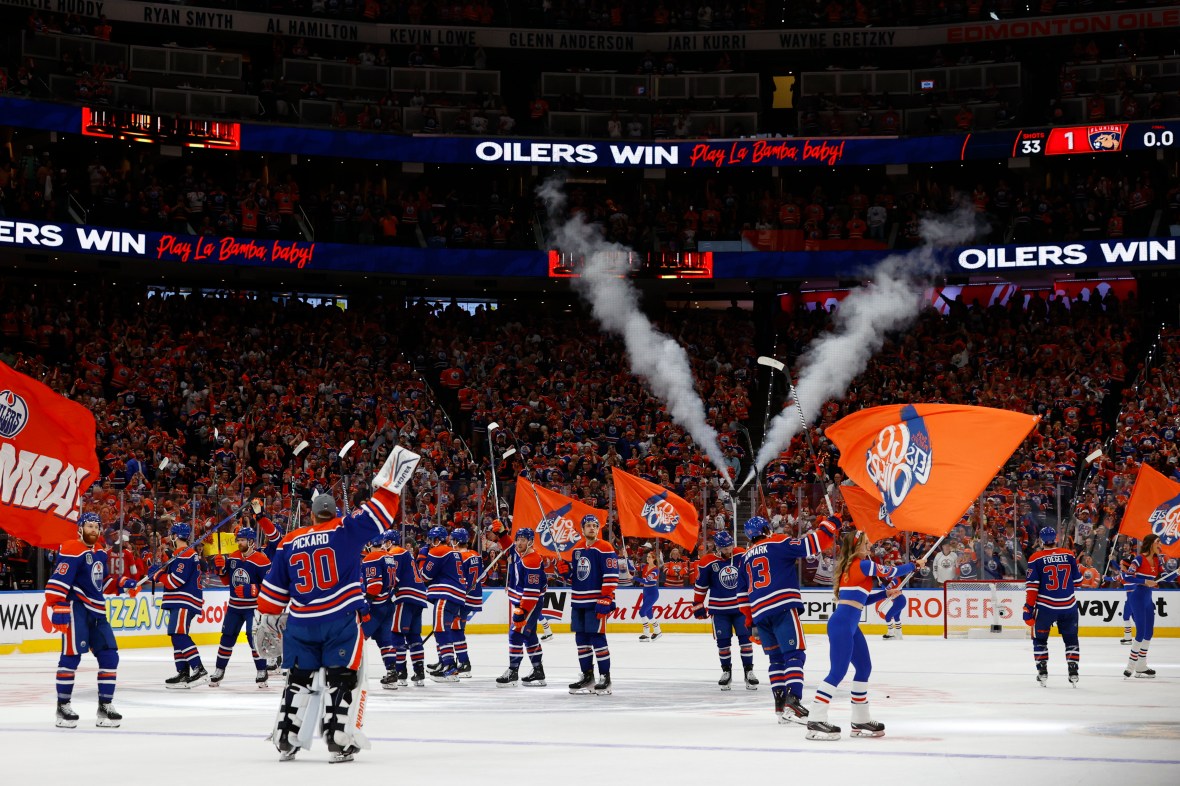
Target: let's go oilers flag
(648, 510)
(47, 460)
(865, 508)
(926, 463)
(1154, 507)
(558, 527)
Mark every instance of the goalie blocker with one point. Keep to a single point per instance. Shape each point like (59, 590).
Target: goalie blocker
(316, 578)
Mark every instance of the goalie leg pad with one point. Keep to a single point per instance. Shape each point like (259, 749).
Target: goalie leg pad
(345, 712)
(297, 713)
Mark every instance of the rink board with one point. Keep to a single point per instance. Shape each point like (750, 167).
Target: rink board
(140, 622)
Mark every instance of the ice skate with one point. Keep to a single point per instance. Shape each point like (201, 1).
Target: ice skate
(419, 676)
(656, 633)
(726, 679)
(602, 687)
(445, 674)
(66, 717)
(585, 683)
(108, 717)
(751, 680)
(536, 679)
(1145, 673)
(402, 678)
(548, 634)
(888, 636)
(389, 680)
(645, 637)
(822, 730)
(793, 710)
(463, 671)
(198, 677)
(178, 681)
(216, 677)
(261, 678)
(866, 729)
(1042, 675)
(339, 757)
(508, 679)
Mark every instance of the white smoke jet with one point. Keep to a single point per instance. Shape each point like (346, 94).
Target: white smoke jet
(891, 300)
(614, 301)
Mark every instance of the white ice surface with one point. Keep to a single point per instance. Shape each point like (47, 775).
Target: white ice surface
(956, 712)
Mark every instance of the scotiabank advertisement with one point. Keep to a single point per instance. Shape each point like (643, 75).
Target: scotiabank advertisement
(140, 622)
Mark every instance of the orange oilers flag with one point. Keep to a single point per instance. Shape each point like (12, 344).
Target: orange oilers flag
(556, 520)
(648, 510)
(1154, 507)
(926, 463)
(47, 460)
(865, 510)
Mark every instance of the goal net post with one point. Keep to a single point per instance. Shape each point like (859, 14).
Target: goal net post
(983, 608)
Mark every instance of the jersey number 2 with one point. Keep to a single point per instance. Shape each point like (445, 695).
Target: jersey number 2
(317, 570)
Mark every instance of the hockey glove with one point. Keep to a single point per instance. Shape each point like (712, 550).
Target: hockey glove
(700, 612)
(219, 562)
(397, 470)
(831, 526)
(519, 618)
(256, 506)
(59, 619)
(1029, 615)
(604, 607)
(268, 634)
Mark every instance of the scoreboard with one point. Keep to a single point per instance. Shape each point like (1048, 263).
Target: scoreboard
(1073, 140)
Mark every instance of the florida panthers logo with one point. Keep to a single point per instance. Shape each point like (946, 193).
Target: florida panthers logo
(1105, 138)
(557, 531)
(1165, 521)
(729, 577)
(583, 568)
(660, 514)
(14, 414)
(900, 458)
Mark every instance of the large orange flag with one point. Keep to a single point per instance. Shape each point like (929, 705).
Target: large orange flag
(865, 510)
(555, 518)
(47, 460)
(926, 463)
(648, 510)
(1154, 507)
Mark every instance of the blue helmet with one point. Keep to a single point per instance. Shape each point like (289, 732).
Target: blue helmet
(526, 533)
(391, 536)
(247, 533)
(436, 533)
(590, 517)
(723, 539)
(89, 518)
(181, 530)
(459, 535)
(757, 527)
(1048, 536)
(376, 542)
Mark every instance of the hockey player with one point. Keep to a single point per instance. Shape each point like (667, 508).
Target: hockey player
(855, 572)
(893, 611)
(442, 570)
(1051, 581)
(74, 603)
(1143, 576)
(183, 600)
(471, 568)
(244, 569)
(768, 593)
(378, 579)
(718, 576)
(409, 601)
(316, 576)
(649, 580)
(592, 591)
(526, 587)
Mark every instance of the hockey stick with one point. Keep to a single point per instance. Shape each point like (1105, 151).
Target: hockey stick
(135, 590)
(1082, 481)
(344, 479)
(293, 520)
(819, 470)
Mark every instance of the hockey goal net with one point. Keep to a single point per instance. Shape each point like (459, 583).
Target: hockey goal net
(983, 608)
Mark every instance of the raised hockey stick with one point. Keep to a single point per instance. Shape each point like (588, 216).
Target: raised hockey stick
(819, 470)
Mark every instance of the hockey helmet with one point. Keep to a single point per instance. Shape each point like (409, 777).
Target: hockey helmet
(757, 527)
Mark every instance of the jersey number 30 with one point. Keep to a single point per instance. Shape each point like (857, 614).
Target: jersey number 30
(315, 570)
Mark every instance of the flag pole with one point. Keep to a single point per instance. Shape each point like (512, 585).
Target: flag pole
(925, 557)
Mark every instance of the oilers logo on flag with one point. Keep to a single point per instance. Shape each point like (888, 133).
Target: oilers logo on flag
(660, 514)
(729, 577)
(1165, 521)
(900, 458)
(14, 414)
(557, 531)
(583, 568)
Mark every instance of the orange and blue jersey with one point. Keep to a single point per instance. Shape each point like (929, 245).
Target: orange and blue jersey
(857, 582)
(379, 577)
(271, 536)
(595, 569)
(527, 581)
(181, 577)
(78, 578)
(471, 565)
(1142, 569)
(316, 572)
(719, 578)
(769, 580)
(408, 586)
(442, 570)
(1052, 579)
(245, 575)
